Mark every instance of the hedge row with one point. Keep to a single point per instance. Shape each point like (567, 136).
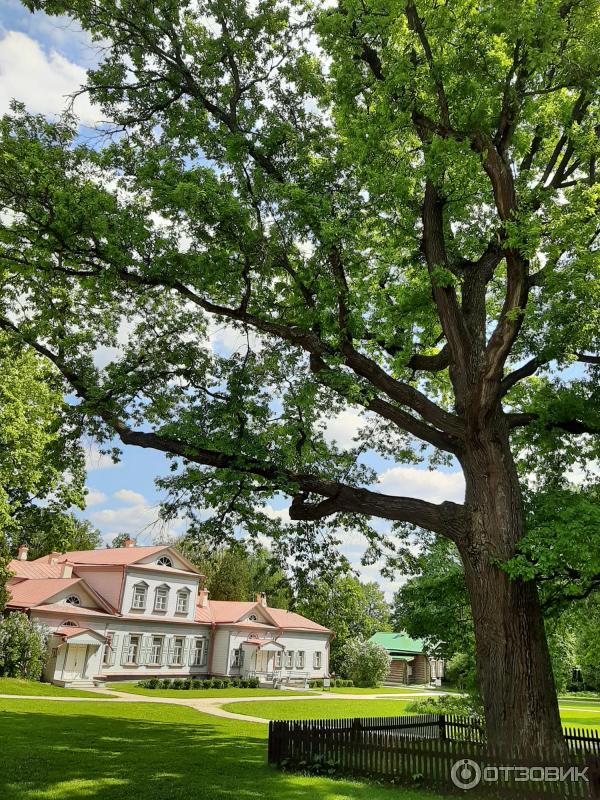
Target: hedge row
(191, 683)
(340, 683)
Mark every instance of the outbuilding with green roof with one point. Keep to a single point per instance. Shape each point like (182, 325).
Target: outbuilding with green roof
(410, 663)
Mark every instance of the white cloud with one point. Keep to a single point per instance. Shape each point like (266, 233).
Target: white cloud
(94, 498)
(41, 80)
(343, 428)
(130, 497)
(275, 513)
(137, 518)
(95, 460)
(423, 484)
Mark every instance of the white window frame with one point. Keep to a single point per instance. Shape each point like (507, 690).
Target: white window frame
(73, 600)
(300, 659)
(164, 561)
(161, 647)
(177, 661)
(162, 593)
(134, 647)
(278, 659)
(317, 659)
(183, 594)
(138, 589)
(237, 657)
(108, 646)
(200, 651)
(289, 659)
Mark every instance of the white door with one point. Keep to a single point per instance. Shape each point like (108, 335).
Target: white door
(74, 662)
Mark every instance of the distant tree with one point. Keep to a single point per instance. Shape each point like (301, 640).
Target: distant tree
(69, 533)
(354, 610)
(22, 647)
(366, 663)
(120, 540)
(433, 605)
(42, 471)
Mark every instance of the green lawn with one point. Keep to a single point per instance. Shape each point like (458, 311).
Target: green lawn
(128, 751)
(187, 694)
(17, 686)
(336, 709)
(320, 709)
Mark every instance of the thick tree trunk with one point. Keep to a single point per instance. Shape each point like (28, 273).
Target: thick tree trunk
(513, 661)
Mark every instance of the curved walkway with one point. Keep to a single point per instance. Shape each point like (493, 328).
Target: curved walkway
(210, 705)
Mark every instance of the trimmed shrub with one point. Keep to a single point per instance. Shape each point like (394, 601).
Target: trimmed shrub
(153, 683)
(226, 683)
(467, 705)
(165, 683)
(177, 684)
(197, 684)
(244, 683)
(207, 684)
(217, 683)
(253, 683)
(235, 683)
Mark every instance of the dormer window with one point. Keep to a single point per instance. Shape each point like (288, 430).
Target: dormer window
(68, 623)
(164, 561)
(253, 618)
(73, 600)
(161, 598)
(140, 593)
(183, 601)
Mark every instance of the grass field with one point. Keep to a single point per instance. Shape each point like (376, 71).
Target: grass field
(320, 709)
(189, 694)
(337, 709)
(130, 751)
(17, 686)
(380, 690)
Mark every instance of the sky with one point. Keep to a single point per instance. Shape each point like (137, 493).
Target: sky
(42, 60)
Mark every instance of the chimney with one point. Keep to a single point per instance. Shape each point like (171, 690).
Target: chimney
(22, 554)
(129, 543)
(66, 570)
(53, 557)
(203, 598)
(261, 598)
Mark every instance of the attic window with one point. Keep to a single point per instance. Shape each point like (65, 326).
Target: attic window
(73, 600)
(252, 618)
(164, 561)
(68, 624)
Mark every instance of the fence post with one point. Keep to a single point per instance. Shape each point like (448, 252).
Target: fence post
(442, 726)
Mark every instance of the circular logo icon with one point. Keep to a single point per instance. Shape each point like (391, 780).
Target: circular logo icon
(465, 774)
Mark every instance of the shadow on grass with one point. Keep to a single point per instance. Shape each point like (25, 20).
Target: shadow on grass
(148, 752)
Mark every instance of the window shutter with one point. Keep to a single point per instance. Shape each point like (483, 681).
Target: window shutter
(124, 649)
(170, 648)
(186, 650)
(192, 653)
(144, 654)
(112, 650)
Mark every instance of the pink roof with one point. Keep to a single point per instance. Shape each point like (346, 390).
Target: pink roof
(289, 619)
(33, 569)
(67, 631)
(71, 611)
(32, 592)
(230, 611)
(262, 642)
(110, 555)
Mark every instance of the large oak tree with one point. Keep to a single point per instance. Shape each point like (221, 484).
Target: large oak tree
(395, 203)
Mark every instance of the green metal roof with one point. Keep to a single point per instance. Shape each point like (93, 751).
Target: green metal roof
(397, 642)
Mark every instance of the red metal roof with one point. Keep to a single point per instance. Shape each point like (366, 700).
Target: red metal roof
(32, 592)
(232, 611)
(33, 569)
(110, 555)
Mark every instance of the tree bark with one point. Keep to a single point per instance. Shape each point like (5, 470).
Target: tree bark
(513, 661)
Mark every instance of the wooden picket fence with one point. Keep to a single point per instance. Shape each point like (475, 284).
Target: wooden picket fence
(425, 748)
